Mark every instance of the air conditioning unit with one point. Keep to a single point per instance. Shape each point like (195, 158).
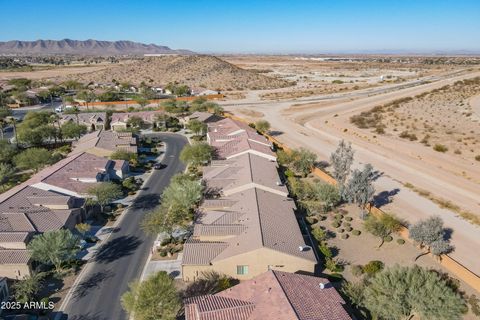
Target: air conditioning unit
(304, 248)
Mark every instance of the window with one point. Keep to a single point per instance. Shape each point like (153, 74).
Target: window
(242, 269)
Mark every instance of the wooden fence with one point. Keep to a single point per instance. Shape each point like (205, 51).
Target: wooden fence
(446, 261)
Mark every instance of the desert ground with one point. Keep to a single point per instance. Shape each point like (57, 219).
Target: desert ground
(52, 72)
(319, 122)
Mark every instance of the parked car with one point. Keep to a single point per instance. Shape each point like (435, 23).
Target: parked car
(158, 166)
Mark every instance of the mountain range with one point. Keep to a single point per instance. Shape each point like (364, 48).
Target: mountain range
(86, 47)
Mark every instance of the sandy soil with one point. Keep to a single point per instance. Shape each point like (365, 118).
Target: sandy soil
(475, 104)
(50, 73)
(441, 174)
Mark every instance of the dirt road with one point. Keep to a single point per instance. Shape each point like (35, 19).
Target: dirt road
(320, 126)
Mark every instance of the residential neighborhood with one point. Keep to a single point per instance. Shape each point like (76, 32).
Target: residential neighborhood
(227, 160)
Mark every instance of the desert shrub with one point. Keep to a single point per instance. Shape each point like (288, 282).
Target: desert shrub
(348, 229)
(348, 218)
(356, 232)
(336, 225)
(357, 270)
(440, 148)
(477, 157)
(322, 218)
(325, 250)
(400, 241)
(388, 239)
(474, 303)
(311, 220)
(341, 230)
(319, 234)
(373, 267)
(338, 217)
(345, 236)
(347, 224)
(289, 173)
(407, 135)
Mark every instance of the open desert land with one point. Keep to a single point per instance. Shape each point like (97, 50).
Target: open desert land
(322, 75)
(52, 72)
(409, 169)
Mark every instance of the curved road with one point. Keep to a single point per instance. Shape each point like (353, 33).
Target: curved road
(120, 260)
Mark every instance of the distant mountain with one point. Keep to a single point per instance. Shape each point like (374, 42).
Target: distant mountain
(87, 47)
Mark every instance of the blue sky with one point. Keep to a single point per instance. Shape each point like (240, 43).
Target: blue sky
(296, 26)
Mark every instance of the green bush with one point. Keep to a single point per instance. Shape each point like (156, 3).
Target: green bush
(319, 234)
(348, 229)
(289, 173)
(388, 239)
(336, 224)
(341, 230)
(345, 236)
(348, 218)
(338, 217)
(325, 250)
(347, 224)
(400, 241)
(356, 232)
(357, 270)
(373, 267)
(440, 148)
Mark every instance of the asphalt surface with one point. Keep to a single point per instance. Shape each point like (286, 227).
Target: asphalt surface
(121, 259)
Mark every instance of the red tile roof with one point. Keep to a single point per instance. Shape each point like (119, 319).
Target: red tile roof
(272, 295)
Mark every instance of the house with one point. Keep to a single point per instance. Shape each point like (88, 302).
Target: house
(77, 173)
(232, 138)
(119, 120)
(244, 172)
(26, 211)
(93, 121)
(246, 234)
(204, 117)
(271, 295)
(103, 143)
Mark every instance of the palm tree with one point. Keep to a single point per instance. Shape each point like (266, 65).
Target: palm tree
(13, 121)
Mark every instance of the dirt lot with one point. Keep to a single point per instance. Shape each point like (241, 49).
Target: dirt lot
(50, 72)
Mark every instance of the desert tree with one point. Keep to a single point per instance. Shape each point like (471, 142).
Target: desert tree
(328, 195)
(341, 160)
(262, 126)
(178, 202)
(72, 130)
(359, 188)
(382, 226)
(6, 173)
(197, 127)
(28, 288)
(153, 299)
(301, 160)
(54, 247)
(430, 233)
(33, 158)
(404, 292)
(104, 193)
(197, 154)
(135, 122)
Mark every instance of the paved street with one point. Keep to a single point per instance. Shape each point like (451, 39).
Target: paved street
(121, 259)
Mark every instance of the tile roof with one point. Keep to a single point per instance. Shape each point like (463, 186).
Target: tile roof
(239, 145)
(11, 256)
(247, 169)
(85, 118)
(269, 222)
(272, 295)
(108, 140)
(78, 172)
(14, 237)
(216, 307)
(23, 212)
(201, 253)
(147, 116)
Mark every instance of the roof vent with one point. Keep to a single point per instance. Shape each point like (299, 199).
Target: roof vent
(279, 183)
(304, 248)
(321, 285)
